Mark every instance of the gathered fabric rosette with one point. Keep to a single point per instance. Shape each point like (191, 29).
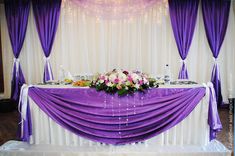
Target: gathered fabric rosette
(123, 82)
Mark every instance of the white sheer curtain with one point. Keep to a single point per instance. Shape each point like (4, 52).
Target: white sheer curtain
(86, 44)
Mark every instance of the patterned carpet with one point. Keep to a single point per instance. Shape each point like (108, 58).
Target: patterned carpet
(8, 127)
(226, 136)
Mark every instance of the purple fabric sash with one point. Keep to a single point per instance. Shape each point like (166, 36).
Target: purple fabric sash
(116, 120)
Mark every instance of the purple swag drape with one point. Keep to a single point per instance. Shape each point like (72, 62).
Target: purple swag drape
(17, 13)
(183, 14)
(46, 14)
(111, 119)
(116, 120)
(215, 16)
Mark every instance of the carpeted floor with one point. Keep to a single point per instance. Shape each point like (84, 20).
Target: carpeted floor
(8, 127)
(226, 136)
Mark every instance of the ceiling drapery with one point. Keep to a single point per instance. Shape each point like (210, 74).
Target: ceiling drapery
(117, 9)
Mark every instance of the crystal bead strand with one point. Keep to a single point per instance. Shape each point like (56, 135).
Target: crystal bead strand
(112, 105)
(127, 110)
(135, 105)
(119, 118)
(105, 100)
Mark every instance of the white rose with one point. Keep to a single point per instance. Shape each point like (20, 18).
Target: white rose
(112, 77)
(128, 83)
(137, 86)
(134, 77)
(101, 81)
(109, 84)
(106, 77)
(122, 77)
(119, 71)
(145, 80)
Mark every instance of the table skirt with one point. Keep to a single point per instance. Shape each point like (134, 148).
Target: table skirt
(193, 130)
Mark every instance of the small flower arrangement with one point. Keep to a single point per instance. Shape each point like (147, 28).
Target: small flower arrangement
(123, 82)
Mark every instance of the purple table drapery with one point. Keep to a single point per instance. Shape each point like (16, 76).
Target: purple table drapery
(26, 124)
(215, 16)
(213, 120)
(115, 120)
(17, 13)
(183, 15)
(46, 14)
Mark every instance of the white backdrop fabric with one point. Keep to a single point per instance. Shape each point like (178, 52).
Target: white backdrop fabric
(86, 44)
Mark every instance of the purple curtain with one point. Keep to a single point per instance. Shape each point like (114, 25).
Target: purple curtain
(17, 13)
(215, 16)
(183, 15)
(46, 14)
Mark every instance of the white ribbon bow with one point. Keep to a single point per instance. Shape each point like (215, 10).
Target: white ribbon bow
(17, 63)
(215, 60)
(183, 61)
(23, 104)
(47, 63)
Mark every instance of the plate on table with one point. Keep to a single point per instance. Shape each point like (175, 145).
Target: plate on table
(183, 82)
(52, 82)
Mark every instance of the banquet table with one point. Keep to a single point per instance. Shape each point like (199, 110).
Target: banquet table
(41, 125)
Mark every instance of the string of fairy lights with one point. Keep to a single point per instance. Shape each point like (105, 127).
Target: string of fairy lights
(118, 9)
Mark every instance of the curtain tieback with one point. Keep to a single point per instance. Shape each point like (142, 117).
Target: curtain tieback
(16, 60)
(215, 60)
(46, 59)
(47, 64)
(17, 65)
(183, 61)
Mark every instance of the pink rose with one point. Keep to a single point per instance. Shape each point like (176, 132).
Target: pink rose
(129, 78)
(102, 77)
(116, 80)
(141, 82)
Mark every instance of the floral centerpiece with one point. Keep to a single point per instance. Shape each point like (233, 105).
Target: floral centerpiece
(123, 82)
